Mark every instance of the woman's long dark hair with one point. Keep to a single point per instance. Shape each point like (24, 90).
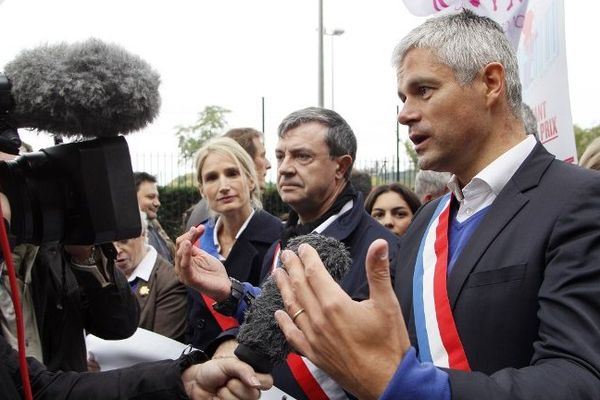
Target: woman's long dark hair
(408, 195)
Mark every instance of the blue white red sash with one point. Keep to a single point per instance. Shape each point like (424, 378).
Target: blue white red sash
(315, 383)
(206, 243)
(437, 335)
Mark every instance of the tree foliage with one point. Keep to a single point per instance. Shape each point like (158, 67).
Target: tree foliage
(176, 200)
(411, 153)
(210, 123)
(583, 137)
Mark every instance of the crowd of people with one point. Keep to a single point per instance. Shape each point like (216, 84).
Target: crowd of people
(480, 283)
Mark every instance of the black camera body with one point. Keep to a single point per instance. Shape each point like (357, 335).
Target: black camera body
(76, 193)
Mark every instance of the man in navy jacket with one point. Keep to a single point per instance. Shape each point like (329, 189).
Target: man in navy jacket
(315, 154)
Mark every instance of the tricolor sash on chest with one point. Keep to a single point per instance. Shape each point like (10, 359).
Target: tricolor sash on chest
(437, 335)
(206, 243)
(315, 383)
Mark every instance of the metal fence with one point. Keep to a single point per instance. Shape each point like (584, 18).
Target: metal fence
(173, 173)
(171, 169)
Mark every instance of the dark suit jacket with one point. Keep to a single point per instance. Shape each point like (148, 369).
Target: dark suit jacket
(357, 230)
(525, 291)
(163, 301)
(155, 380)
(244, 264)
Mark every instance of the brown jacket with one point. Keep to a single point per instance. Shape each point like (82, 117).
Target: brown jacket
(162, 302)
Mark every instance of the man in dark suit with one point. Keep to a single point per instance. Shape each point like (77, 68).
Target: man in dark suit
(498, 281)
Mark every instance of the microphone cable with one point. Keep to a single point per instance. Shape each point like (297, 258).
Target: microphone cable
(12, 276)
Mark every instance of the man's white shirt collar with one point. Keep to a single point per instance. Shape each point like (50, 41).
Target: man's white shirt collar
(145, 267)
(347, 207)
(483, 189)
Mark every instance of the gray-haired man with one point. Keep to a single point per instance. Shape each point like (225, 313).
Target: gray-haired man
(498, 282)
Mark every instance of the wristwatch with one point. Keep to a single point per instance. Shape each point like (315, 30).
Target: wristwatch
(191, 357)
(230, 305)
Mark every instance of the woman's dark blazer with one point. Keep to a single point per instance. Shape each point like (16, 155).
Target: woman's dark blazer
(244, 264)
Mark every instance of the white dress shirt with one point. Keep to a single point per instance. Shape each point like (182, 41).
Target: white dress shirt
(483, 189)
(145, 267)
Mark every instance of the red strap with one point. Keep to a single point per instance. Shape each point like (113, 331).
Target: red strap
(275, 256)
(224, 321)
(457, 359)
(304, 378)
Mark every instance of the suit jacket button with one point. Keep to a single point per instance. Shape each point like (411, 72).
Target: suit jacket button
(201, 323)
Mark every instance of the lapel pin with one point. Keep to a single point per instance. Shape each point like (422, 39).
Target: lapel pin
(144, 290)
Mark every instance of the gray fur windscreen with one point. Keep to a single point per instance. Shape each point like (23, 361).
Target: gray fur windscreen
(87, 89)
(260, 330)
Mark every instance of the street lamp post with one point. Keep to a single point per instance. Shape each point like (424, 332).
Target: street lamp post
(332, 34)
(320, 72)
(320, 56)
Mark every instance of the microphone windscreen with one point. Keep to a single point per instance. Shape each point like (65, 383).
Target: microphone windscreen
(87, 89)
(262, 343)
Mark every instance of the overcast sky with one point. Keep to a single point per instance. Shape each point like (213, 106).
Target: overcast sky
(233, 52)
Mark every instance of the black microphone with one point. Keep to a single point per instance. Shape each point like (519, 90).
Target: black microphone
(261, 343)
(88, 89)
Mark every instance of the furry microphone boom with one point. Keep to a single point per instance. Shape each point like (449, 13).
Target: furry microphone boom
(81, 192)
(88, 89)
(262, 343)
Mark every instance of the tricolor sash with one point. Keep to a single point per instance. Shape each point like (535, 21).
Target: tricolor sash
(437, 335)
(206, 243)
(315, 383)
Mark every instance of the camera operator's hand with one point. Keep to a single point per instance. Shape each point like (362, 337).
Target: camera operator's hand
(5, 207)
(227, 378)
(79, 254)
(198, 269)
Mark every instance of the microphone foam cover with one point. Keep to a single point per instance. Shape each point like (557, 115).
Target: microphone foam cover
(262, 343)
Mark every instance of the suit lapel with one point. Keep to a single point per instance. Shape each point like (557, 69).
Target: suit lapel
(506, 206)
(238, 262)
(142, 292)
(502, 211)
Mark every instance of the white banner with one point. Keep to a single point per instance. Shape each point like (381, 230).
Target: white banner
(537, 29)
(543, 68)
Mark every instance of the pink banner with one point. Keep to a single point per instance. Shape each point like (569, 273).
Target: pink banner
(508, 13)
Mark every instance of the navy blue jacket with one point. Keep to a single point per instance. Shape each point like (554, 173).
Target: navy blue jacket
(244, 264)
(357, 230)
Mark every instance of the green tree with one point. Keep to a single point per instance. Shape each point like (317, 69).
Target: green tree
(583, 137)
(210, 123)
(411, 153)
(188, 179)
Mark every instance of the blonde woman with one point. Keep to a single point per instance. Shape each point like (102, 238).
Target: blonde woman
(239, 233)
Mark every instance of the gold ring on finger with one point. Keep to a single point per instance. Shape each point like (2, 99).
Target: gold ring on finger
(297, 314)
